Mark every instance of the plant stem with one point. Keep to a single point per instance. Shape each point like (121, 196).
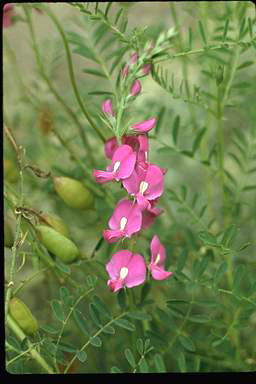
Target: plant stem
(53, 90)
(71, 73)
(33, 352)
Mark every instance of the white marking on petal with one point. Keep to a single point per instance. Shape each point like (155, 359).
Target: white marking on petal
(123, 273)
(143, 187)
(157, 259)
(123, 222)
(116, 166)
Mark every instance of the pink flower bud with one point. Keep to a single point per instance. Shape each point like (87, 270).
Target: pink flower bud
(146, 69)
(125, 70)
(7, 15)
(134, 58)
(107, 107)
(135, 88)
(156, 265)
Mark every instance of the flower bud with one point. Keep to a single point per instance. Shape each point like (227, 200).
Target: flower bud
(23, 316)
(73, 192)
(146, 69)
(11, 173)
(107, 107)
(57, 244)
(55, 222)
(8, 235)
(125, 70)
(135, 88)
(134, 58)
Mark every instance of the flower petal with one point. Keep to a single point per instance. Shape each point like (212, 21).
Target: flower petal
(110, 147)
(119, 260)
(159, 273)
(113, 236)
(103, 176)
(144, 126)
(136, 271)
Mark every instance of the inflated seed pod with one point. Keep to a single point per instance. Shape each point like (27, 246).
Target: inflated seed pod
(73, 192)
(8, 235)
(11, 173)
(55, 222)
(23, 316)
(57, 244)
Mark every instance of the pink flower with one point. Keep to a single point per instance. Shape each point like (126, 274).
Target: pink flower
(126, 269)
(107, 107)
(146, 183)
(135, 88)
(125, 221)
(122, 166)
(145, 126)
(7, 15)
(134, 58)
(110, 147)
(156, 265)
(149, 215)
(138, 143)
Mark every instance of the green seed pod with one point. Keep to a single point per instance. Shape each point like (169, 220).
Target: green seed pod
(11, 173)
(23, 316)
(57, 244)
(73, 192)
(55, 222)
(8, 235)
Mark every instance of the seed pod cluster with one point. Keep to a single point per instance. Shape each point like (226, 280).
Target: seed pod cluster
(55, 222)
(23, 316)
(73, 192)
(57, 244)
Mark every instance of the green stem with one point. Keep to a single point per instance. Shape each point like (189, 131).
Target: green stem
(72, 75)
(95, 335)
(184, 64)
(33, 352)
(53, 90)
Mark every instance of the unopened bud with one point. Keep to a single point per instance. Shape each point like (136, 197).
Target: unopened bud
(135, 88)
(107, 107)
(23, 316)
(146, 69)
(73, 192)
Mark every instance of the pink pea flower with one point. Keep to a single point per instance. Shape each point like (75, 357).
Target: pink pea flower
(149, 215)
(110, 147)
(107, 107)
(7, 15)
(126, 269)
(146, 183)
(138, 143)
(156, 265)
(135, 88)
(145, 126)
(125, 221)
(122, 166)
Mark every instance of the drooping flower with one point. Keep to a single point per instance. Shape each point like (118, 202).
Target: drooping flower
(125, 221)
(107, 107)
(156, 265)
(126, 269)
(149, 215)
(144, 126)
(122, 166)
(146, 183)
(135, 88)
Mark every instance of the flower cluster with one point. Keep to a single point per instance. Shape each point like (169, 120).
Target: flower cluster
(144, 183)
